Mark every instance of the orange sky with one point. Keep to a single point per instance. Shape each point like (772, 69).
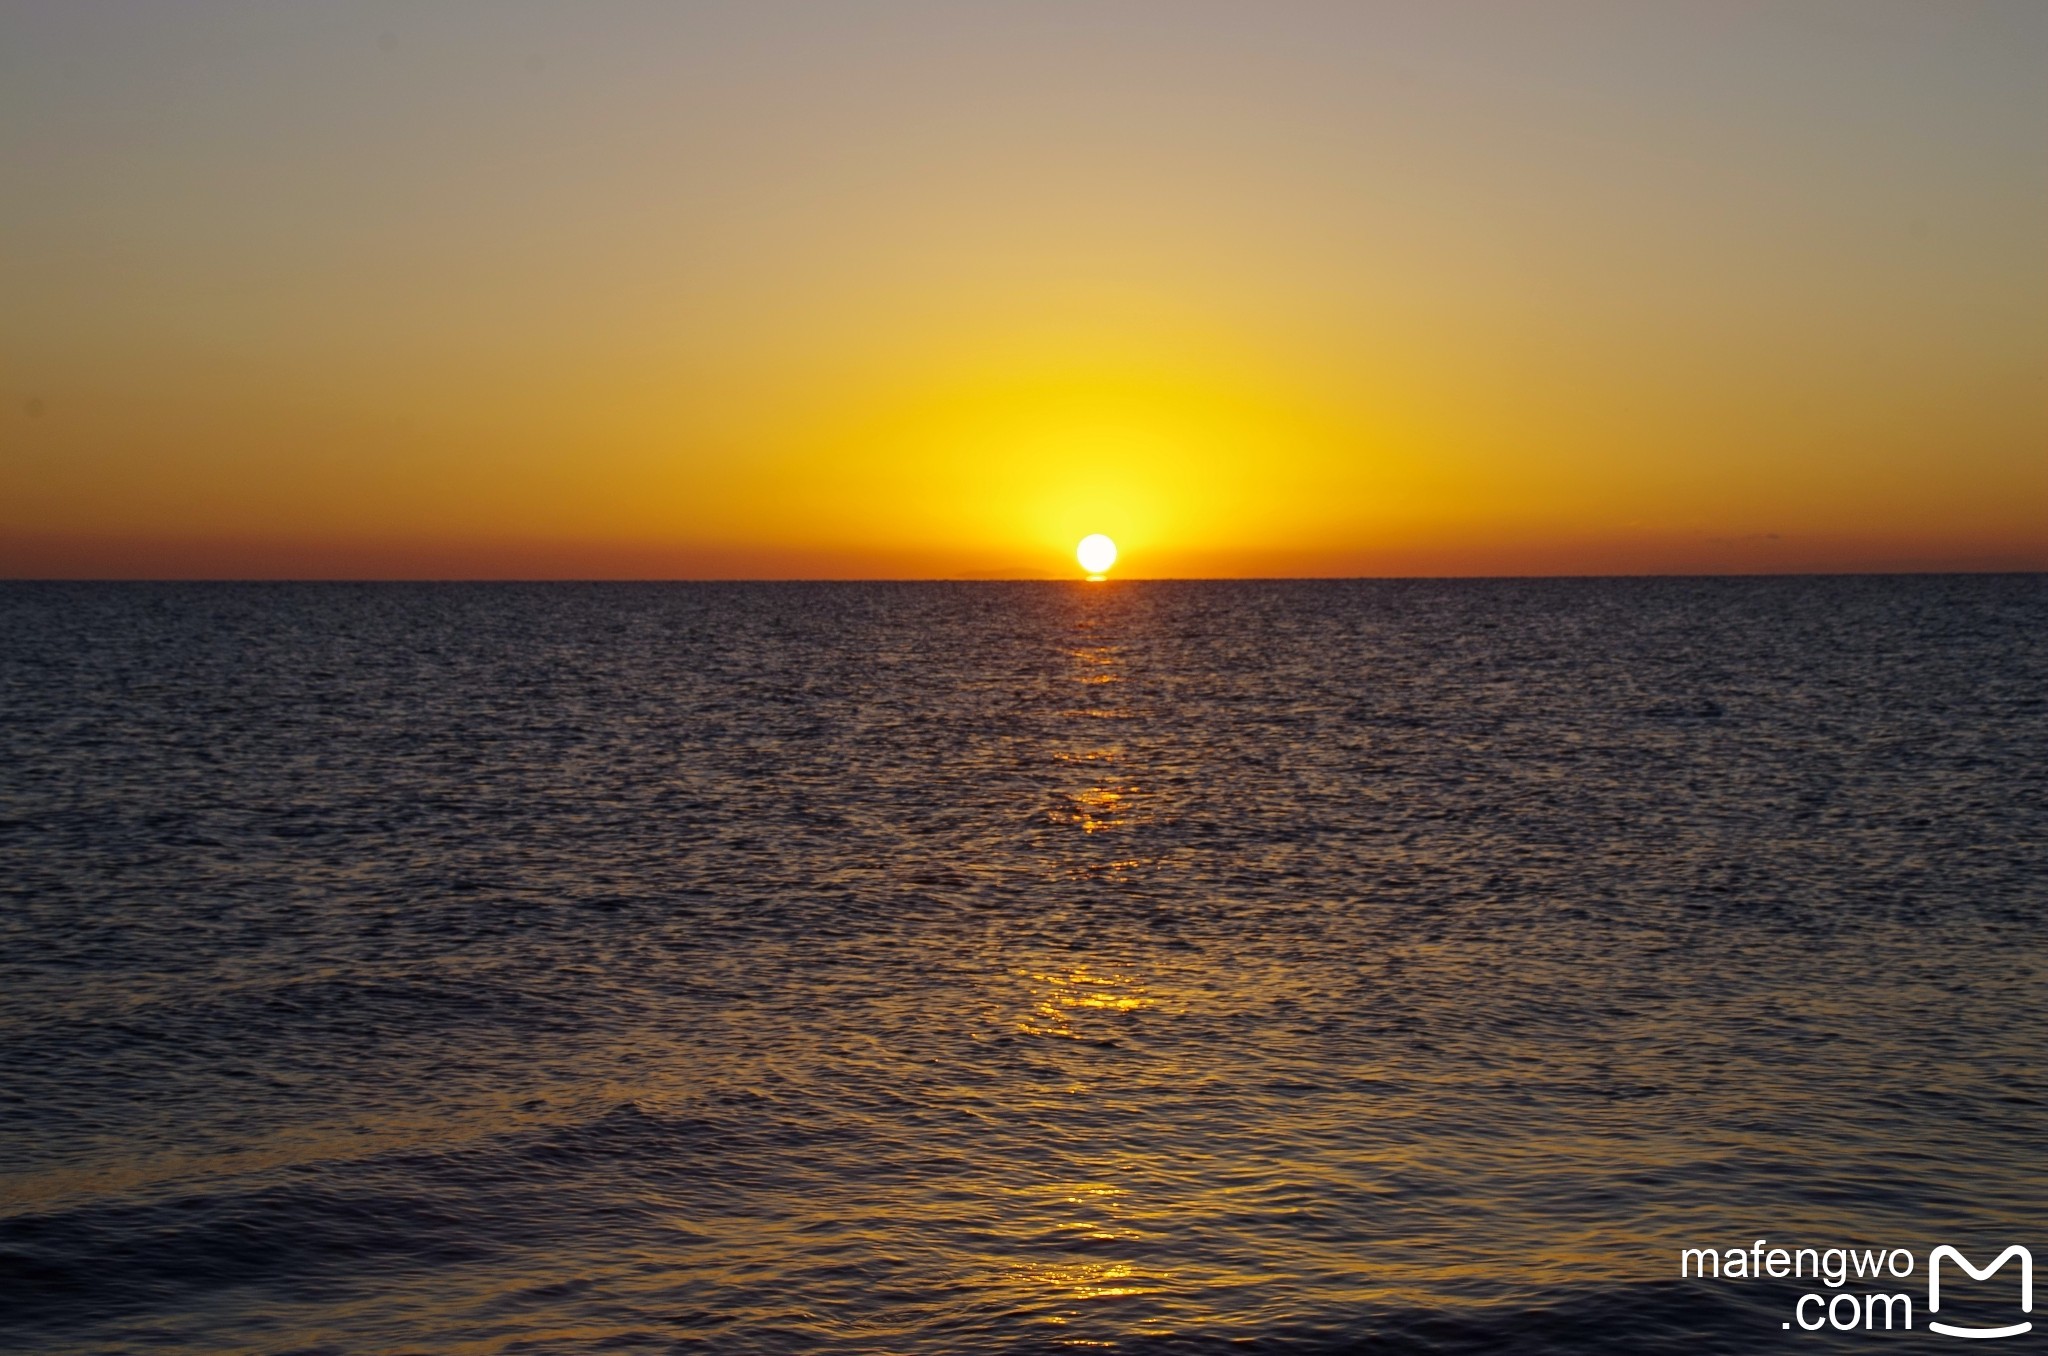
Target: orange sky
(764, 290)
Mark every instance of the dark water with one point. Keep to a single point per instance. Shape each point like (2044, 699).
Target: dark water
(1408, 967)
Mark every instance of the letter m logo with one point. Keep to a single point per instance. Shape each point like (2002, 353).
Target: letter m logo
(1980, 1274)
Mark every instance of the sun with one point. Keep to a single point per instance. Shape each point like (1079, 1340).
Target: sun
(1096, 553)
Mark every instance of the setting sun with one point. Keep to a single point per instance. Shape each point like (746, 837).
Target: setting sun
(1096, 553)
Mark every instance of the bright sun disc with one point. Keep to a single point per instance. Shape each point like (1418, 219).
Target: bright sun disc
(1096, 553)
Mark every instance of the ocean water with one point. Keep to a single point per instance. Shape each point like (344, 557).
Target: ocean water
(1178, 967)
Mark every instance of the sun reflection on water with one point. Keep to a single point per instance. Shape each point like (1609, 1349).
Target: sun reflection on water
(1093, 1280)
(1059, 997)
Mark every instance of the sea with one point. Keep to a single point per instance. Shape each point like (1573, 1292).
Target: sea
(1119, 967)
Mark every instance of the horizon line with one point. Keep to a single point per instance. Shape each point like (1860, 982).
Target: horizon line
(1024, 579)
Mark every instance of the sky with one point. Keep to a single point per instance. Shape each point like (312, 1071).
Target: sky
(851, 290)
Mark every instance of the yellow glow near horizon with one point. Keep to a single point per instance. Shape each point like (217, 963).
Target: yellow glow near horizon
(1096, 554)
(909, 292)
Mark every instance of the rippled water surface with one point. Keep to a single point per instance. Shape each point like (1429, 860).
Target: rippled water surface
(949, 968)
